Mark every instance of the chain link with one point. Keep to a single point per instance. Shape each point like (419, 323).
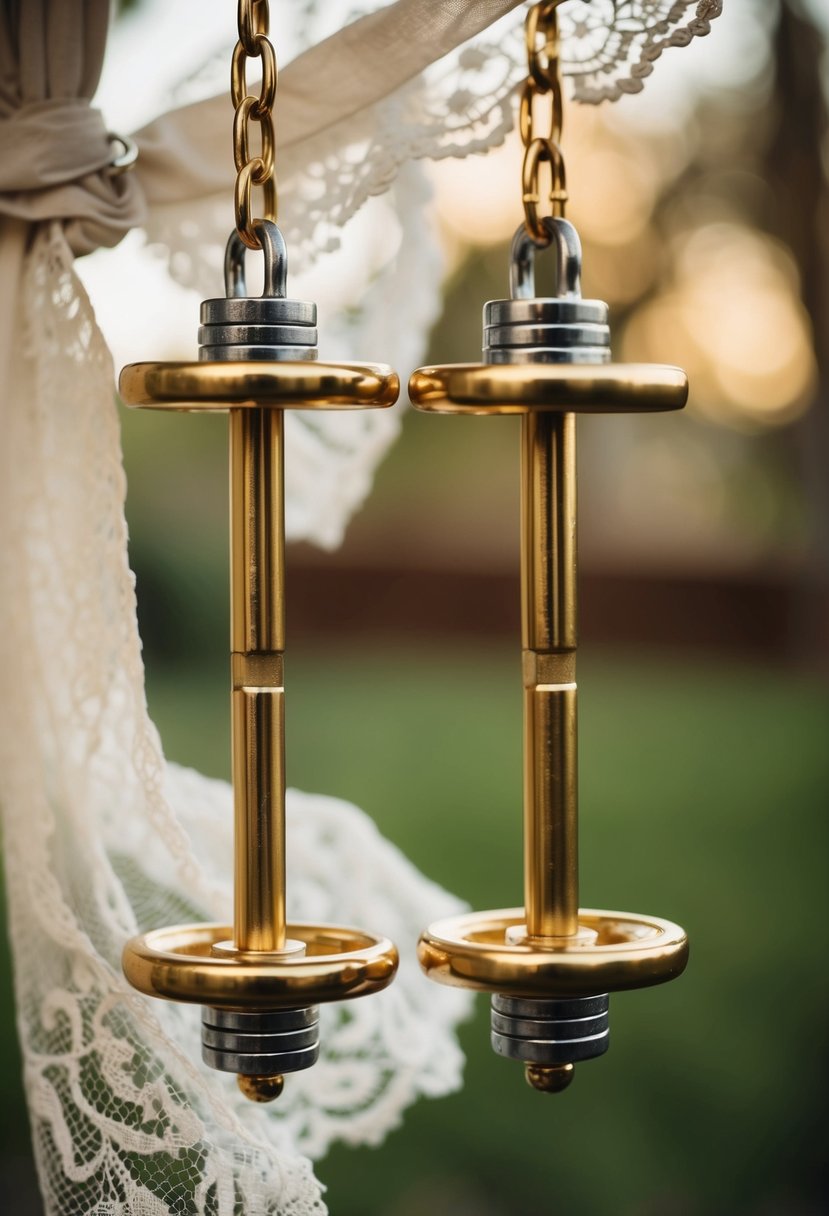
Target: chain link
(542, 139)
(254, 168)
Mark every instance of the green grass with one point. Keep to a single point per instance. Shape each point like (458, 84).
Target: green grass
(704, 793)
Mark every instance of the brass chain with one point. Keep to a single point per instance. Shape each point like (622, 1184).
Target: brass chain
(542, 140)
(257, 169)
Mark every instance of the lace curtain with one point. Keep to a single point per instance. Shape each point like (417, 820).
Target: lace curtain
(102, 837)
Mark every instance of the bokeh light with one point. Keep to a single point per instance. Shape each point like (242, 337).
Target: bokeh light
(733, 318)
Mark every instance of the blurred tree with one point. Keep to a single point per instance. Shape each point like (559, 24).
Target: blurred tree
(795, 165)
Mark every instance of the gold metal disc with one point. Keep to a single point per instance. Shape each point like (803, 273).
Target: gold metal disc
(339, 963)
(629, 951)
(504, 388)
(286, 386)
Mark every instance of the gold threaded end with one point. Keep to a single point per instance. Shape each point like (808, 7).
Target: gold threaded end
(261, 1089)
(549, 1080)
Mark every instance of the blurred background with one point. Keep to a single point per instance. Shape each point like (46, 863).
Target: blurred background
(703, 207)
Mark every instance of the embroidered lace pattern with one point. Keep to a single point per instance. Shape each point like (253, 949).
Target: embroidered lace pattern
(462, 105)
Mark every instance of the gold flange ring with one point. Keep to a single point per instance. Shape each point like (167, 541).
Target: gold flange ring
(627, 951)
(339, 963)
(522, 388)
(254, 385)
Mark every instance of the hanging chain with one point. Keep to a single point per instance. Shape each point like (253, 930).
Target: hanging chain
(542, 141)
(257, 169)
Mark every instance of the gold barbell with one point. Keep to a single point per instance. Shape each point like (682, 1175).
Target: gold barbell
(260, 979)
(549, 965)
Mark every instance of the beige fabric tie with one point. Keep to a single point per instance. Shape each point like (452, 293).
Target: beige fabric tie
(54, 165)
(54, 147)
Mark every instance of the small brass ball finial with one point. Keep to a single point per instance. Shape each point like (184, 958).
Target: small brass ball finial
(261, 1089)
(549, 1080)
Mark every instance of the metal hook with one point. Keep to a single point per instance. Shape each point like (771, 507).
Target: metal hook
(274, 253)
(563, 235)
(124, 154)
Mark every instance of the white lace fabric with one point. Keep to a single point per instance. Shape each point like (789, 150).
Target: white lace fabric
(102, 837)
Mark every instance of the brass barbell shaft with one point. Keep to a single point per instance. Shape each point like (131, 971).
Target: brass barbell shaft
(548, 596)
(257, 551)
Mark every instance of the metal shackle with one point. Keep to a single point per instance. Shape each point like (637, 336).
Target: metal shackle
(562, 328)
(241, 327)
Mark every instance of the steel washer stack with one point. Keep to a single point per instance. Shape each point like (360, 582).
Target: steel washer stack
(266, 328)
(259, 1044)
(555, 330)
(550, 1033)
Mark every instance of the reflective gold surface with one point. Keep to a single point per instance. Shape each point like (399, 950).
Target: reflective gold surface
(339, 963)
(548, 614)
(630, 951)
(299, 386)
(478, 388)
(258, 736)
(257, 633)
(548, 533)
(253, 170)
(551, 818)
(257, 532)
(542, 144)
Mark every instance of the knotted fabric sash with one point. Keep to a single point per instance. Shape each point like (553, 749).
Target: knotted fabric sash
(54, 147)
(50, 143)
(55, 158)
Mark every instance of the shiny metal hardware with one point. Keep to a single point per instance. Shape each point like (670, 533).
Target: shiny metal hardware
(563, 329)
(542, 141)
(261, 980)
(568, 274)
(124, 154)
(551, 1034)
(274, 327)
(549, 965)
(253, 169)
(275, 266)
